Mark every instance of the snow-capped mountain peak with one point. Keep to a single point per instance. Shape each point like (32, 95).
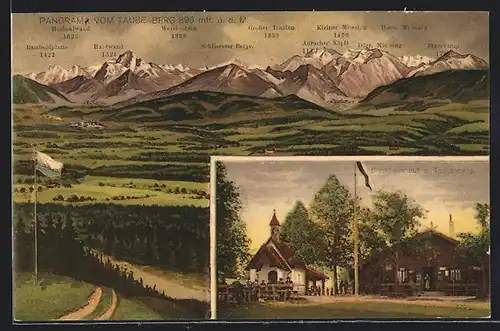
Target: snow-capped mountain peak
(237, 62)
(129, 60)
(55, 74)
(350, 54)
(415, 60)
(323, 55)
(450, 60)
(109, 71)
(56, 67)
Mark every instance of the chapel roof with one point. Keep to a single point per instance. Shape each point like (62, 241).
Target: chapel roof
(274, 219)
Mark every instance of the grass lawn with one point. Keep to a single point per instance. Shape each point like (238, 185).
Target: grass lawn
(133, 309)
(146, 308)
(105, 194)
(61, 296)
(196, 281)
(352, 310)
(142, 182)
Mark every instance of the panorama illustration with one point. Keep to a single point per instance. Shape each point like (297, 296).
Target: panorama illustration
(115, 117)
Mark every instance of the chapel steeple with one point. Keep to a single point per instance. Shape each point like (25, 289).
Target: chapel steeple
(275, 227)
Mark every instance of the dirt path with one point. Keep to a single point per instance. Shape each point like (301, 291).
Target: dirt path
(111, 310)
(86, 310)
(170, 288)
(442, 301)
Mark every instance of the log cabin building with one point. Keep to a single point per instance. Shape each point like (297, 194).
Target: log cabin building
(428, 264)
(275, 260)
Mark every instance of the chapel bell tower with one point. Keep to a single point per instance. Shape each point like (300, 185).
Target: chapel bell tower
(275, 227)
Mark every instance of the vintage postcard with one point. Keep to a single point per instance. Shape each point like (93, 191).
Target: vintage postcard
(116, 116)
(351, 238)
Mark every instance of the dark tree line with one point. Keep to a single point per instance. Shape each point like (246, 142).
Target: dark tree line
(173, 237)
(192, 172)
(232, 241)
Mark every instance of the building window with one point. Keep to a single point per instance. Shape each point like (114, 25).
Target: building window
(412, 276)
(402, 275)
(389, 274)
(441, 273)
(455, 275)
(419, 277)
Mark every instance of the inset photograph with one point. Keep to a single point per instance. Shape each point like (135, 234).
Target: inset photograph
(347, 238)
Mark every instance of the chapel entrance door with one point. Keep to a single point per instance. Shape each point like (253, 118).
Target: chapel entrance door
(428, 281)
(272, 277)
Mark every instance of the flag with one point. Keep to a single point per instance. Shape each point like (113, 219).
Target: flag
(365, 174)
(47, 165)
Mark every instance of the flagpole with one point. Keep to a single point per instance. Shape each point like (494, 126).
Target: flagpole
(355, 233)
(36, 224)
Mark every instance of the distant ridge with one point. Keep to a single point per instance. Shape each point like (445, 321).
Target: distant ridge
(26, 91)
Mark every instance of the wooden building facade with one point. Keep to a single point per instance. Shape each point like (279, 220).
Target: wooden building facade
(428, 262)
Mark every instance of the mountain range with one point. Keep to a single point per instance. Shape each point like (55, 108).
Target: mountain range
(325, 77)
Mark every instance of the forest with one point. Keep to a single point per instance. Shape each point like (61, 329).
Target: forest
(172, 237)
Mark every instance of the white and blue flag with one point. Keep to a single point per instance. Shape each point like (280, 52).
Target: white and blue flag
(47, 165)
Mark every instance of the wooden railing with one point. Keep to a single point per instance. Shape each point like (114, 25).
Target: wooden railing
(401, 289)
(458, 289)
(449, 288)
(234, 294)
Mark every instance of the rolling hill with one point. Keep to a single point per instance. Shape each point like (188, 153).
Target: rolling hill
(454, 85)
(26, 90)
(201, 106)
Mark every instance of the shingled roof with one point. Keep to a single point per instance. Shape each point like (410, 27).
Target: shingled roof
(274, 220)
(421, 235)
(272, 254)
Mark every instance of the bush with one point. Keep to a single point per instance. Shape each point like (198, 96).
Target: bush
(72, 198)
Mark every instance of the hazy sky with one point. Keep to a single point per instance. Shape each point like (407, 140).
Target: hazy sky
(467, 30)
(265, 186)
